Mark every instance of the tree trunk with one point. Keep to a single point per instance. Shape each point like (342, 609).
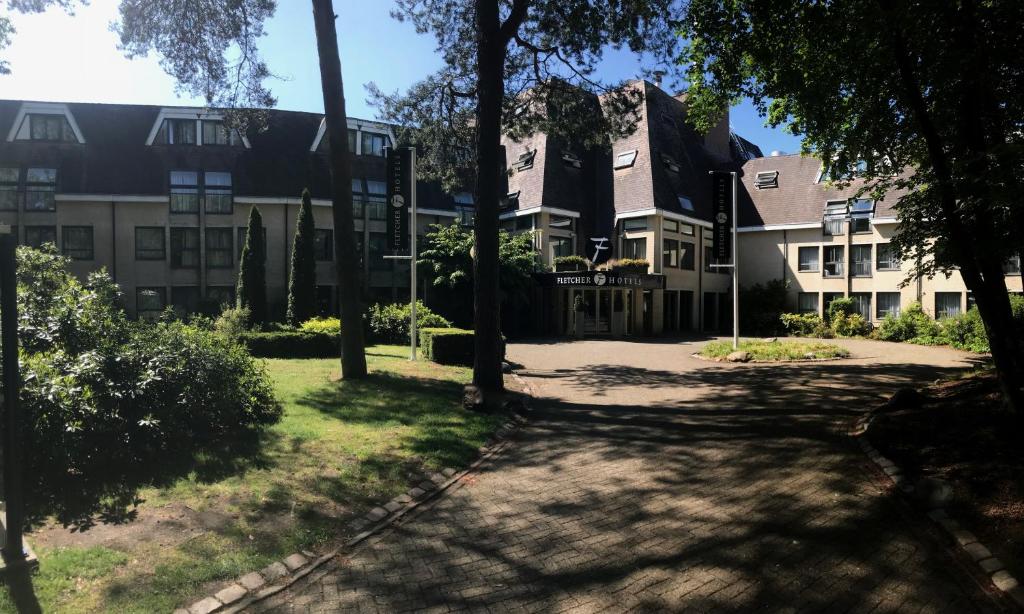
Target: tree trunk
(491, 50)
(980, 271)
(353, 348)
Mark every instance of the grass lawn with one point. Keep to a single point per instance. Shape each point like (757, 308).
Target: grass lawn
(339, 448)
(769, 351)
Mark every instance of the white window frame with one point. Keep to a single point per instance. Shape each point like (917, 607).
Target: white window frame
(42, 108)
(198, 115)
(620, 159)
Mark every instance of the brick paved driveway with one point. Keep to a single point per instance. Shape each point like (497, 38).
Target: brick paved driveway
(652, 481)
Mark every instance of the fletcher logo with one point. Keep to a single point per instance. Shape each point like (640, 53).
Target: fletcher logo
(397, 201)
(600, 279)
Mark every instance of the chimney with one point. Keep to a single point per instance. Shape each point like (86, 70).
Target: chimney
(658, 75)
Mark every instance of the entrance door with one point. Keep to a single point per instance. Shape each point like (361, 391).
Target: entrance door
(686, 310)
(670, 311)
(648, 312)
(589, 312)
(604, 312)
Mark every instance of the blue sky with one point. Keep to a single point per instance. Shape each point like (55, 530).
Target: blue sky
(373, 46)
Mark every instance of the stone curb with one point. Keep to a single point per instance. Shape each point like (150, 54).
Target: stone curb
(991, 567)
(274, 578)
(771, 362)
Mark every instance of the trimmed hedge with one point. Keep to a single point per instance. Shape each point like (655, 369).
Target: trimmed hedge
(290, 344)
(447, 346)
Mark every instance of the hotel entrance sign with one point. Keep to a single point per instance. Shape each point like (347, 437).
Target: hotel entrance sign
(400, 187)
(721, 202)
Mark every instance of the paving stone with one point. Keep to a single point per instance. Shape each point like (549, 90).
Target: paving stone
(377, 513)
(230, 594)
(991, 565)
(964, 537)
(448, 472)
(977, 551)
(403, 498)
(359, 524)
(295, 561)
(650, 481)
(204, 606)
(1004, 581)
(274, 571)
(252, 581)
(427, 485)
(393, 506)
(416, 493)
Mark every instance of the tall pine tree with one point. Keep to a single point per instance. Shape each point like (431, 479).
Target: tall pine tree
(252, 271)
(302, 281)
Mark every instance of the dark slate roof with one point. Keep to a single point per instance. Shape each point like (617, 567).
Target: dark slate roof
(116, 160)
(797, 199)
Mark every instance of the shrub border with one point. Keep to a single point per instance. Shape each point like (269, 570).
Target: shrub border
(257, 586)
(966, 544)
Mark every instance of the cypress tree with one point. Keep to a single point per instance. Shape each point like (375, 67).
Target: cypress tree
(302, 282)
(252, 271)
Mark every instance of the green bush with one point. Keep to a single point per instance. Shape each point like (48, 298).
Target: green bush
(841, 307)
(112, 405)
(965, 331)
(850, 325)
(805, 325)
(448, 346)
(329, 326)
(912, 324)
(390, 323)
(570, 263)
(290, 344)
(233, 321)
(638, 264)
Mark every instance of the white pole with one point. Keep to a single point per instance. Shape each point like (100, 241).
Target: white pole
(412, 262)
(735, 273)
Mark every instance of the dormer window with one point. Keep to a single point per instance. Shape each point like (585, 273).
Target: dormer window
(525, 161)
(766, 179)
(670, 163)
(834, 216)
(374, 144)
(572, 160)
(45, 121)
(686, 203)
(861, 212)
(216, 133)
(625, 159)
(176, 132)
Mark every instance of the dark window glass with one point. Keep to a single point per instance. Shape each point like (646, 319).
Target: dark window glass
(862, 301)
(223, 296)
(947, 304)
(860, 225)
(219, 252)
(77, 242)
(379, 247)
(560, 246)
(1012, 265)
(634, 248)
(150, 299)
(185, 298)
(177, 132)
(687, 252)
(50, 128)
(8, 189)
(807, 302)
(41, 189)
(184, 192)
(376, 199)
(670, 253)
(149, 243)
(860, 260)
(808, 259)
(374, 144)
(217, 191)
(887, 304)
(324, 245)
(885, 257)
(184, 248)
(833, 261)
(36, 236)
(215, 133)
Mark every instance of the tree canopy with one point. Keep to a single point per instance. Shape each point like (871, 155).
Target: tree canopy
(921, 98)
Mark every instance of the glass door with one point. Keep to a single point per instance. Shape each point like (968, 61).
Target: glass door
(604, 312)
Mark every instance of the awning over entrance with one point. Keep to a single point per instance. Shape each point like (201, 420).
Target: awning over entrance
(601, 279)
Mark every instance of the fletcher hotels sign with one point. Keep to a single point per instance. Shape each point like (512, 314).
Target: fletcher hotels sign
(602, 279)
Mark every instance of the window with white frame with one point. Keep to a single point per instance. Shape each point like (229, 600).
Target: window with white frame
(374, 143)
(216, 133)
(9, 189)
(41, 189)
(176, 131)
(184, 192)
(217, 192)
(834, 217)
(625, 159)
(807, 302)
(885, 258)
(887, 304)
(860, 260)
(947, 305)
(807, 259)
(833, 261)
(50, 127)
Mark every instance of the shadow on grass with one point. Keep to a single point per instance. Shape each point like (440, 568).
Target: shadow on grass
(21, 592)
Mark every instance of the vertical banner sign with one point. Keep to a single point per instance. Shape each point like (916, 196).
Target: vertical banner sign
(400, 186)
(721, 208)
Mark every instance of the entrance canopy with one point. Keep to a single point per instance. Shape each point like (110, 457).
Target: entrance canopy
(601, 279)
